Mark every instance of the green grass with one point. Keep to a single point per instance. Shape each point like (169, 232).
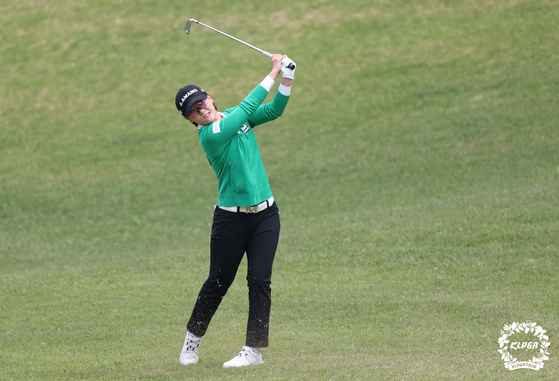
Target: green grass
(416, 169)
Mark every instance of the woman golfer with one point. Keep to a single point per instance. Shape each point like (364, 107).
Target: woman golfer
(246, 218)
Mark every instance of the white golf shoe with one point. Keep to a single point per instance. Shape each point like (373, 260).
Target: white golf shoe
(247, 356)
(189, 353)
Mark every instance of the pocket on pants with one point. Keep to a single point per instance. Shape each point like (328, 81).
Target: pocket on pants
(224, 224)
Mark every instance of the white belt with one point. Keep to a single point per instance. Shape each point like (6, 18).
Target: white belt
(249, 209)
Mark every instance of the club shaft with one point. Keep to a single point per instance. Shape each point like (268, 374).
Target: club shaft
(234, 38)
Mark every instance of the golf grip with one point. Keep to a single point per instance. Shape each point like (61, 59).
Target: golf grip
(291, 66)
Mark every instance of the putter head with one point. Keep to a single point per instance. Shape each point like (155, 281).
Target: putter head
(188, 24)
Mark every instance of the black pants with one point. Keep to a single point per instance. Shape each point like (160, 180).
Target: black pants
(233, 234)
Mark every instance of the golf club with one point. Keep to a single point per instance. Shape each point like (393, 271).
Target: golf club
(189, 24)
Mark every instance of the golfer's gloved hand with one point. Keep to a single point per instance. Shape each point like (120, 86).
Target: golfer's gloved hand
(288, 68)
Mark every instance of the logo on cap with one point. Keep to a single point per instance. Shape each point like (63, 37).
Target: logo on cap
(187, 95)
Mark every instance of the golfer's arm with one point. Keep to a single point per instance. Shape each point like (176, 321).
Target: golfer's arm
(226, 128)
(273, 110)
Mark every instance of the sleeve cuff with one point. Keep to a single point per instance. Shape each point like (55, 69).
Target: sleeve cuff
(267, 83)
(284, 90)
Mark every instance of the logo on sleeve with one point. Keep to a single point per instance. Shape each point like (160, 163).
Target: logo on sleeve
(216, 127)
(243, 130)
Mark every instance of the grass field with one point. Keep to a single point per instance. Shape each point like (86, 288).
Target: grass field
(416, 168)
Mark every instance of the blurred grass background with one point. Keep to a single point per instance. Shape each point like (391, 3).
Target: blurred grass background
(416, 169)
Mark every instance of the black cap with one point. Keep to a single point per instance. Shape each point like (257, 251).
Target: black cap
(187, 96)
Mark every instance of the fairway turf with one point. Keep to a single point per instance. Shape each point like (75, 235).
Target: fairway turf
(416, 169)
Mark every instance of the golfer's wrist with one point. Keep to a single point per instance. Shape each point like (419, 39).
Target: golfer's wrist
(287, 82)
(274, 73)
(267, 83)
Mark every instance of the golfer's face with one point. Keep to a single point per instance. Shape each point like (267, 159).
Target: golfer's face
(203, 112)
(198, 107)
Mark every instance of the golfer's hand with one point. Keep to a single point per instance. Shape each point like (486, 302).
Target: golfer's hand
(288, 68)
(276, 62)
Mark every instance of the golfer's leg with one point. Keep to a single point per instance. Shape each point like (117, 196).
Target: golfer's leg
(261, 250)
(226, 251)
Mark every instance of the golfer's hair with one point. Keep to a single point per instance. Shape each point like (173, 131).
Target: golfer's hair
(196, 124)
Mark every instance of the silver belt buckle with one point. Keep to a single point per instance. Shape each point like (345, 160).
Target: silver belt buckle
(252, 209)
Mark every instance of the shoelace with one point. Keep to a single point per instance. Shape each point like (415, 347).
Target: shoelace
(189, 346)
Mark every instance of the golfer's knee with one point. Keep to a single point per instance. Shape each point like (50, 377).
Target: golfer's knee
(259, 283)
(218, 285)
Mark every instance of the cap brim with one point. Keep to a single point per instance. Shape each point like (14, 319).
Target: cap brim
(195, 99)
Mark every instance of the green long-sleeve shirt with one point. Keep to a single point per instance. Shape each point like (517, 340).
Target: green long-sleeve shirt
(231, 148)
